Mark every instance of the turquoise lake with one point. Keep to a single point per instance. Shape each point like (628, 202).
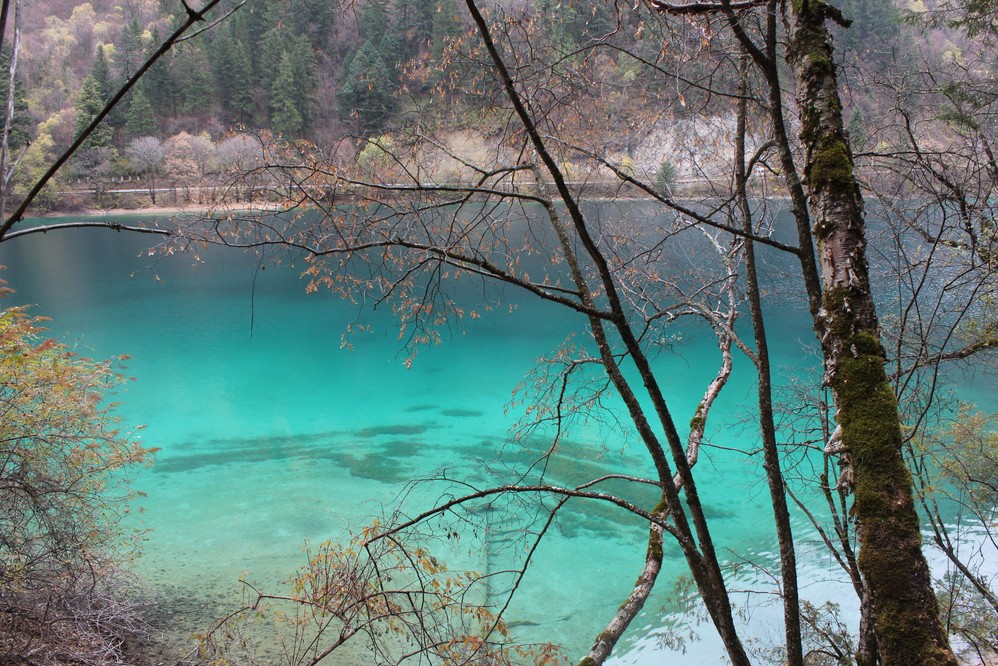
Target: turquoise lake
(272, 435)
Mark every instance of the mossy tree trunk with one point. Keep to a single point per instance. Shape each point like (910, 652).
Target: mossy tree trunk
(905, 614)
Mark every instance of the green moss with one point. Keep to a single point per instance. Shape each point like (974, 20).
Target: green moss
(697, 421)
(655, 550)
(587, 661)
(831, 166)
(819, 63)
(888, 525)
(867, 342)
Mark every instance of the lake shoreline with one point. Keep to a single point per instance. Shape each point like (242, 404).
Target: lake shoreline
(153, 211)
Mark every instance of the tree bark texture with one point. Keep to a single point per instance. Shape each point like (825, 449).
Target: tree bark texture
(905, 614)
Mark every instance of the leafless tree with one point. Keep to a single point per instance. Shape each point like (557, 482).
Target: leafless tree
(146, 154)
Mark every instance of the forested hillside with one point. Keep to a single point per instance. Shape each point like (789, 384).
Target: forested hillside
(332, 74)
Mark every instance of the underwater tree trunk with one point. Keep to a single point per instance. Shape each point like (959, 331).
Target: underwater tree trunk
(905, 615)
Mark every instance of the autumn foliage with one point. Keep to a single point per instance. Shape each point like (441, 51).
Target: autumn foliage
(62, 498)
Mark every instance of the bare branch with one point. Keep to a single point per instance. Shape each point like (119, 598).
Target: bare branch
(114, 226)
(18, 214)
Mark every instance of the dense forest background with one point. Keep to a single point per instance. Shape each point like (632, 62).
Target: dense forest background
(339, 75)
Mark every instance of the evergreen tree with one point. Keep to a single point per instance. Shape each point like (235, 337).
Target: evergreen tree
(234, 78)
(272, 48)
(367, 91)
(857, 130)
(977, 17)
(560, 22)
(140, 119)
(304, 73)
(390, 52)
(94, 159)
(296, 67)
(411, 26)
(195, 92)
(446, 25)
(158, 81)
(128, 54)
(874, 29)
(373, 22)
(174, 11)
(298, 21)
(277, 13)
(320, 19)
(88, 105)
(101, 73)
(285, 117)
(250, 25)
(107, 86)
(20, 130)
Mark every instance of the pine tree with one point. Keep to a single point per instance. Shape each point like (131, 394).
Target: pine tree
(128, 55)
(411, 25)
(158, 81)
(94, 158)
(20, 130)
(367, 91)
(272, 48)
(140, 119)
(251, 25)
(284, 115)
(196, 92)
(874, 28)
(319, 17)
(233, 77)
(102, 74)
(446, 26)
(107, 86)
(304, 74)
(88, 105)
(373, 22)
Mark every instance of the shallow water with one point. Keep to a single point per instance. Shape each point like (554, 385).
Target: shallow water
(272, 435)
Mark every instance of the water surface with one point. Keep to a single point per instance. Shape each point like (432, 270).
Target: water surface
(273, 435)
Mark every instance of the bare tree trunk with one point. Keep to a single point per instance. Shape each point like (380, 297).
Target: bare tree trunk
(898, 583)
(8, 118)
(615, 629)
(767, 422)
(867, 653)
